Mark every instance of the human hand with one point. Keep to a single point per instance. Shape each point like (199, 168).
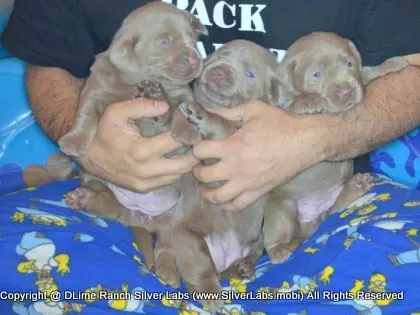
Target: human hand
(271, 147)
(121, 155)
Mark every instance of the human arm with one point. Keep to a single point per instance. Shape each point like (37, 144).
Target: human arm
(118, 152)
(391, 108)
(53, 94)
(289, 144)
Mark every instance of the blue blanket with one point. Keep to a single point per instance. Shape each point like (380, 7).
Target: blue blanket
(364, 260)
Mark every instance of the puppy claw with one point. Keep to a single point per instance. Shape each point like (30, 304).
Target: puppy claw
(79, 198)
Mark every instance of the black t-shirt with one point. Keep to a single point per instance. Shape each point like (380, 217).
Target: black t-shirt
(68, 33)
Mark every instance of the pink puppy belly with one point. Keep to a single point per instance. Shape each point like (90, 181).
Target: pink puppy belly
(224, 248)
(311, 207)
(153, 203)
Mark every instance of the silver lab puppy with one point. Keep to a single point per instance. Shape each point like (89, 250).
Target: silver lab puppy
(240, 71)
(321, 73)
(153, 54)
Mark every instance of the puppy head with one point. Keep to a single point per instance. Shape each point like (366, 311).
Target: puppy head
(237, 72)
(158, 41)
(325, 64)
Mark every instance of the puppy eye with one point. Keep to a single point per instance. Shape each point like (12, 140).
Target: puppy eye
(249, 74)
(166, 41)
(350, 64)
(317, 74)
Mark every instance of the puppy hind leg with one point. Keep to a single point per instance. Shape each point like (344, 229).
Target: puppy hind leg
(144, 242)
(281, 229)
(357, 186)
(353, 189)
(196, 267)
(95, 197)
(165, 258)
(309, 228)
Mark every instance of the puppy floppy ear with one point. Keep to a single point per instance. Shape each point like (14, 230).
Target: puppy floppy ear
(286, 72)
(355, 52)
(197, 26)
(124, 55)
(273, 91)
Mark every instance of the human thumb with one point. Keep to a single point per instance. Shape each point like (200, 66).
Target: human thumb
(141, 107)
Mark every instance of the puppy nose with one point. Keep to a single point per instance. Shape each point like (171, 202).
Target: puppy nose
(220, 76)
(192, 61)
(219, 73)
(347, 95)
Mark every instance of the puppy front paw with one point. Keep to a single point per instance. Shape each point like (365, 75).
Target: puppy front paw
(183, 131)
(74, 145)
(395, 64)
(193, 114)
(150, 89)
(308, 104)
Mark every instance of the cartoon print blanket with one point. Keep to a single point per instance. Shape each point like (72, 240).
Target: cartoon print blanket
(364, 260)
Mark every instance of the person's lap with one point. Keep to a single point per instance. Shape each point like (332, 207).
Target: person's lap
(371, 247)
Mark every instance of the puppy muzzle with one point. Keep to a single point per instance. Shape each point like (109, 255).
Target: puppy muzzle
(344, 96)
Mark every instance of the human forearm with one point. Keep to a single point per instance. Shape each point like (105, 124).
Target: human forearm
(54, 95)
(390, 109)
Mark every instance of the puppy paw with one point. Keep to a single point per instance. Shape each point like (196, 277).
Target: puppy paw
(241, 269)
(308, 104)
(395, 64)
(208, 293)
(213, 305)
(281, 252)
(362, 182)
(245, 269)
(356, 187)
(150, 89)
(74, 145)
(168, 273)
(193, 114)
(182, 130)
(79, 198)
